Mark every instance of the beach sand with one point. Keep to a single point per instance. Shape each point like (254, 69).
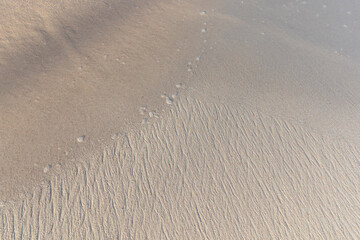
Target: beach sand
(180, 120)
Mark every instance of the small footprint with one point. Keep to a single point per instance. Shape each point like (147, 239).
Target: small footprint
(47, 168)
(174, 95)
(169, 100)
(179, 85)
(115, 136)
(81, 139)
(152, 114)
(142, 110)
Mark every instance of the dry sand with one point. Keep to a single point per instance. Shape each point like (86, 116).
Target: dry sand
(83, 68)
(180, 120)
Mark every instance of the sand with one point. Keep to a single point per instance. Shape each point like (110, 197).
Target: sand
(83, 69)
(180, 120)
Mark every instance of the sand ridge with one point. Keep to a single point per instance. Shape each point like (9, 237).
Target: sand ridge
(204, 171)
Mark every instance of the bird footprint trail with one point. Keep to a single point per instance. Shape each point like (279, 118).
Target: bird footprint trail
(202, 171)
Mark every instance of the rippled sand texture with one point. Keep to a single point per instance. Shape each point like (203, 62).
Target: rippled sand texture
(206, 171)
(73, 73)
(180, 120)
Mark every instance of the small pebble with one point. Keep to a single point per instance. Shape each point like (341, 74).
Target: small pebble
(179, 85)
(203, 13)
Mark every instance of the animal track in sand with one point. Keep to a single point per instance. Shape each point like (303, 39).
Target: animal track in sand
(168, 100)
(144, 120)
(115, 136)
(47, 168)
(142, 110)
(174, 95)
(153, 114)
(191, 66)
(203, 13)
(81, 139)
(179, 85)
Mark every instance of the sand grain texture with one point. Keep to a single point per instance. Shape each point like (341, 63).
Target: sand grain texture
(180, 120)
(75, 68)
(207, 171)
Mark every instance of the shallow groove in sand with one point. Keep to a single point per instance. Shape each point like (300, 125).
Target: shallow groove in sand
(205, 171)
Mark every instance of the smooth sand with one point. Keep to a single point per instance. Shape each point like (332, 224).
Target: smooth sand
(259, 141)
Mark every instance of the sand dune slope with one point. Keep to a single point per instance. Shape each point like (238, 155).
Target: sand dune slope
(75, 68)
(205, 171)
